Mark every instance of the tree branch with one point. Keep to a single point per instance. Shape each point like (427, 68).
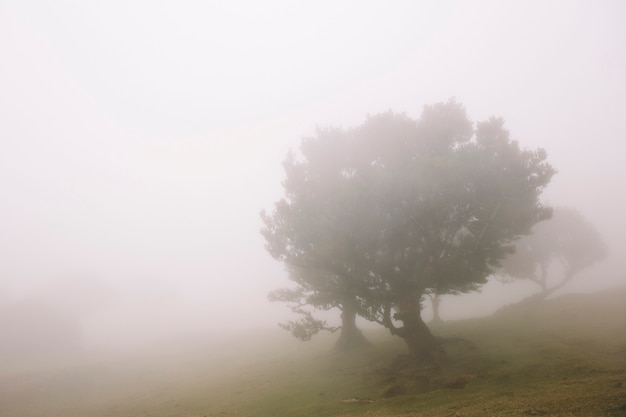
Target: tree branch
(493, 215)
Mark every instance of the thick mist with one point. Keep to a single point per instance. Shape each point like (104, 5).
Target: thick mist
(141, 140)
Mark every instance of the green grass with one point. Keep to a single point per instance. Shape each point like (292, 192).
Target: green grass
(566, 357)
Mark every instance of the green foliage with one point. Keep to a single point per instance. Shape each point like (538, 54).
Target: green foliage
(396, 208)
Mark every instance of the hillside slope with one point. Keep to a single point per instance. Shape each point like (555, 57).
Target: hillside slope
(565, 357)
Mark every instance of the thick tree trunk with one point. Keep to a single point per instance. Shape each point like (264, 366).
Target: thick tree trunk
(423, 346)
(351, 337)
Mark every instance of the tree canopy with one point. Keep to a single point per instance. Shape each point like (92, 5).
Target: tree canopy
(375, 217)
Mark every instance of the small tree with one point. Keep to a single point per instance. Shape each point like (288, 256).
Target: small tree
(556, 251)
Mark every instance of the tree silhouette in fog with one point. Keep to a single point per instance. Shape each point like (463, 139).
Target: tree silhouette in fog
(376, 217)
(315, 231)
(556, 251)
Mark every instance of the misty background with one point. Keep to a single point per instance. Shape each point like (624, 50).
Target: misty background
(140, 140)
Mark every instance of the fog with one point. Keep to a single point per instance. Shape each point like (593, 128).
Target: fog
(140, 140)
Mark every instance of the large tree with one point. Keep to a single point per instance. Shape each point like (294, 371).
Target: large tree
(556, 251)
(398, 208)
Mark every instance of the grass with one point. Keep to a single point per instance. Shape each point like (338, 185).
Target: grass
(566, 357)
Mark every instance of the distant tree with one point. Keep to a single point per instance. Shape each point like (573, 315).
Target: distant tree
(435, 302)
(562, 247)
(397, 208)
(434, 295)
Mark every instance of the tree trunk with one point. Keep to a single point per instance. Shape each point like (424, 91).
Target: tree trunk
(351, 337)
(436, 301)
(423, 346)
(566, 278)
(544, 281)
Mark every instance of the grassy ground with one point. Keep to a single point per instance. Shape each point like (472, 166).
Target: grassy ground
(566, 357)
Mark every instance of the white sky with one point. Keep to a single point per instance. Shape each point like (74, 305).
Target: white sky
(140, 139)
